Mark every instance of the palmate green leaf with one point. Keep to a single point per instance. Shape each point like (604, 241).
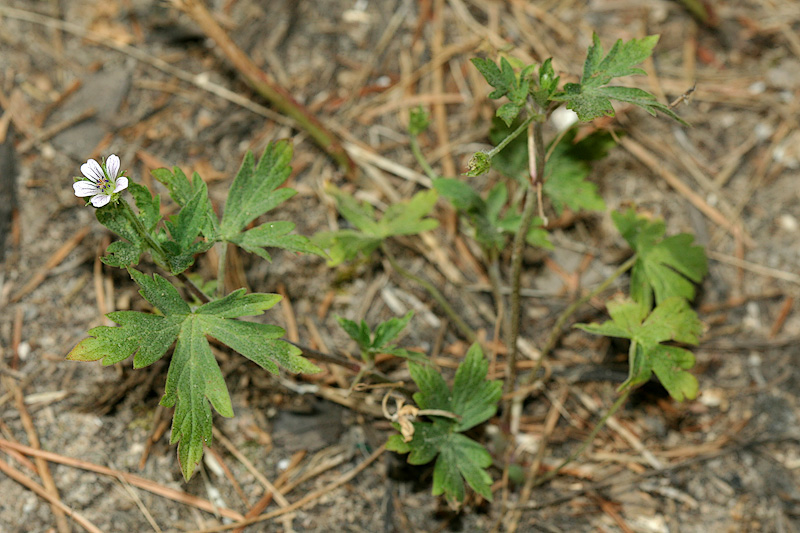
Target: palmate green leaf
(194, 380)
(403, 218)
(671, 320)
(591, 98)
(474, 400)
(255, 188)
(665, 267)
(254, 192)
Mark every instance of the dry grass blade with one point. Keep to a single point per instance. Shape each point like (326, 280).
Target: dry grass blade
(303, 501)
(24, 480)
(136, 481)
(56, 258)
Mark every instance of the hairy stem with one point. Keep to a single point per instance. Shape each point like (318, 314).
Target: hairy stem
(462, 326)
(415, 149)
(514, 134)
(537, 174)
(223, 257)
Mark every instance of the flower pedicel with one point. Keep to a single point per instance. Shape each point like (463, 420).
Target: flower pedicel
(100, 181)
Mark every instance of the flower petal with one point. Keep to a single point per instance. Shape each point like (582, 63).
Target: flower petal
(100, 200)
(122, 184)
(112, 166)
(85, 188)
(92, 170)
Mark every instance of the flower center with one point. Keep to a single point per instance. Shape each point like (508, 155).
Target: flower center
(103, 184)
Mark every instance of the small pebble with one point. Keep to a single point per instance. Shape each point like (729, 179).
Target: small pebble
(788, 222)
(757, 88)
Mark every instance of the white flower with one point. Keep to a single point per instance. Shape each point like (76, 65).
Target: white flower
(101, 181)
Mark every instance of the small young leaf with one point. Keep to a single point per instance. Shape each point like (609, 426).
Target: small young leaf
(404, 218)
(548, 84)
(387, 331)
(473, 400)
(671, 320)
(372, 344)
(359, 332)
(418, 121)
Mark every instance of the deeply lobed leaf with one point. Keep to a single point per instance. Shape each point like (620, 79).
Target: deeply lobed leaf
(665, 267)
(671, 320)
(474, 400)
(194, 380)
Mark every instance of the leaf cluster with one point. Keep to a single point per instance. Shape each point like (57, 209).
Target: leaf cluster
(369, 232)
(591, 98)
(472, 400)
(194, 380)
(663, 275)
(173, 244)
(380, 341)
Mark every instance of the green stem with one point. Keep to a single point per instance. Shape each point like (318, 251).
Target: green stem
(516, 264)
(156, 247)
(586, 442)
(143, 233)
(555, 331)
(434, 292)
(514, 134)
(415, 149)
(223, 255)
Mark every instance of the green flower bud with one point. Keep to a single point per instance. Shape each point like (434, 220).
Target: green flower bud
(480, 163)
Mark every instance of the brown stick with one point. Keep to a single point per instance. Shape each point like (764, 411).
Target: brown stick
(264, 85)
(42, 467)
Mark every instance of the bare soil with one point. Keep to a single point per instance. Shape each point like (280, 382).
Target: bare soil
(726, 462)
